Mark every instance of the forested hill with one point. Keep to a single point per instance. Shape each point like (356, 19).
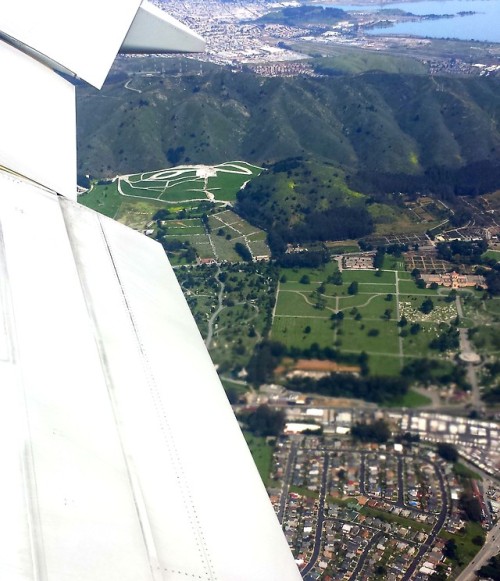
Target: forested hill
(386, 131)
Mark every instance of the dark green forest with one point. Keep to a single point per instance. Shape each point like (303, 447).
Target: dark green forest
(379, 132)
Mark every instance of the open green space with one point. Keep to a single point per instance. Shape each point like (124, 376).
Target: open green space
(368, 276)
(102, 198)
(300, 304)
(374, 337)
(186, 183)
(463, 471)
(393, 518)
(262, 454)
(412, 399)
(304, 491)
(466, 549)
(302, 331)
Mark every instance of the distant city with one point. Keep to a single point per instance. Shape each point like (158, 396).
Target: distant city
(236, 35)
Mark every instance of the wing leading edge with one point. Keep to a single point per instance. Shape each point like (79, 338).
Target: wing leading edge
(122, 457)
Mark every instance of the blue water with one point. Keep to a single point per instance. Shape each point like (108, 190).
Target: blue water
(484, 26)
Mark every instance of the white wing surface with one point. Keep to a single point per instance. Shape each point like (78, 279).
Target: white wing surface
(121, 457)
(37, 122)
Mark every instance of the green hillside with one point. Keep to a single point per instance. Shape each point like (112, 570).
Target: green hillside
(384, 131)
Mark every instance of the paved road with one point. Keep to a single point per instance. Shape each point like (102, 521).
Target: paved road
(320, 521)
(435, 529)
(220, 306)
(373, 541)
(286, 480)
(401, 483)
(490, 548)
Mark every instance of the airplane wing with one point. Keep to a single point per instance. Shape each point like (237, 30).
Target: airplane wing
(121, 457)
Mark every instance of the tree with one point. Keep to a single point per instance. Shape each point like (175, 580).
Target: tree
(451, 549)
(265, 422)
(427, 306)
(304, 279)
(353, 288)
(243, 251)
(471, 507)
(415, 328)
(377, 431)
(447, 451)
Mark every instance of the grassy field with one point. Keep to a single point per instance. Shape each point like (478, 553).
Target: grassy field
(262, 454)
(466, 549)
(303, 316)
(186, 183)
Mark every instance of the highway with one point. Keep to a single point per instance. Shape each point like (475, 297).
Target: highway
(490, 549)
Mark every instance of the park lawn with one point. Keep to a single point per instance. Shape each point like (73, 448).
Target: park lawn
(491, 254)
(239, 388)
(257, 236)
(187, 230)
(104, 199)
(294, 285)
(487, 339)
(186, 190)
(137, 213)
(258, 247)
(368, 276)
(464, 471)
(418, 345)
(244, 227)
(411, 399)
(343, 249)
(393, 263)
(297, 304)
(225, 248)
(377, 288)
(493, 306)
(303, 491)
(291, 332)
(202, 245)
(356, 338)
(226, 184)
(262, 454)
(135, 191)
(466, 549)
(410, 288)
(393, 518)
(370, 306)
(315, 274)
(384, 365)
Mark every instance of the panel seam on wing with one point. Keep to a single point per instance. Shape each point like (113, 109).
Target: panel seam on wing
(169, 439)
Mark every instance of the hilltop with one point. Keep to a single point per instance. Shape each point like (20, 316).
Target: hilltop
(383, 131)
